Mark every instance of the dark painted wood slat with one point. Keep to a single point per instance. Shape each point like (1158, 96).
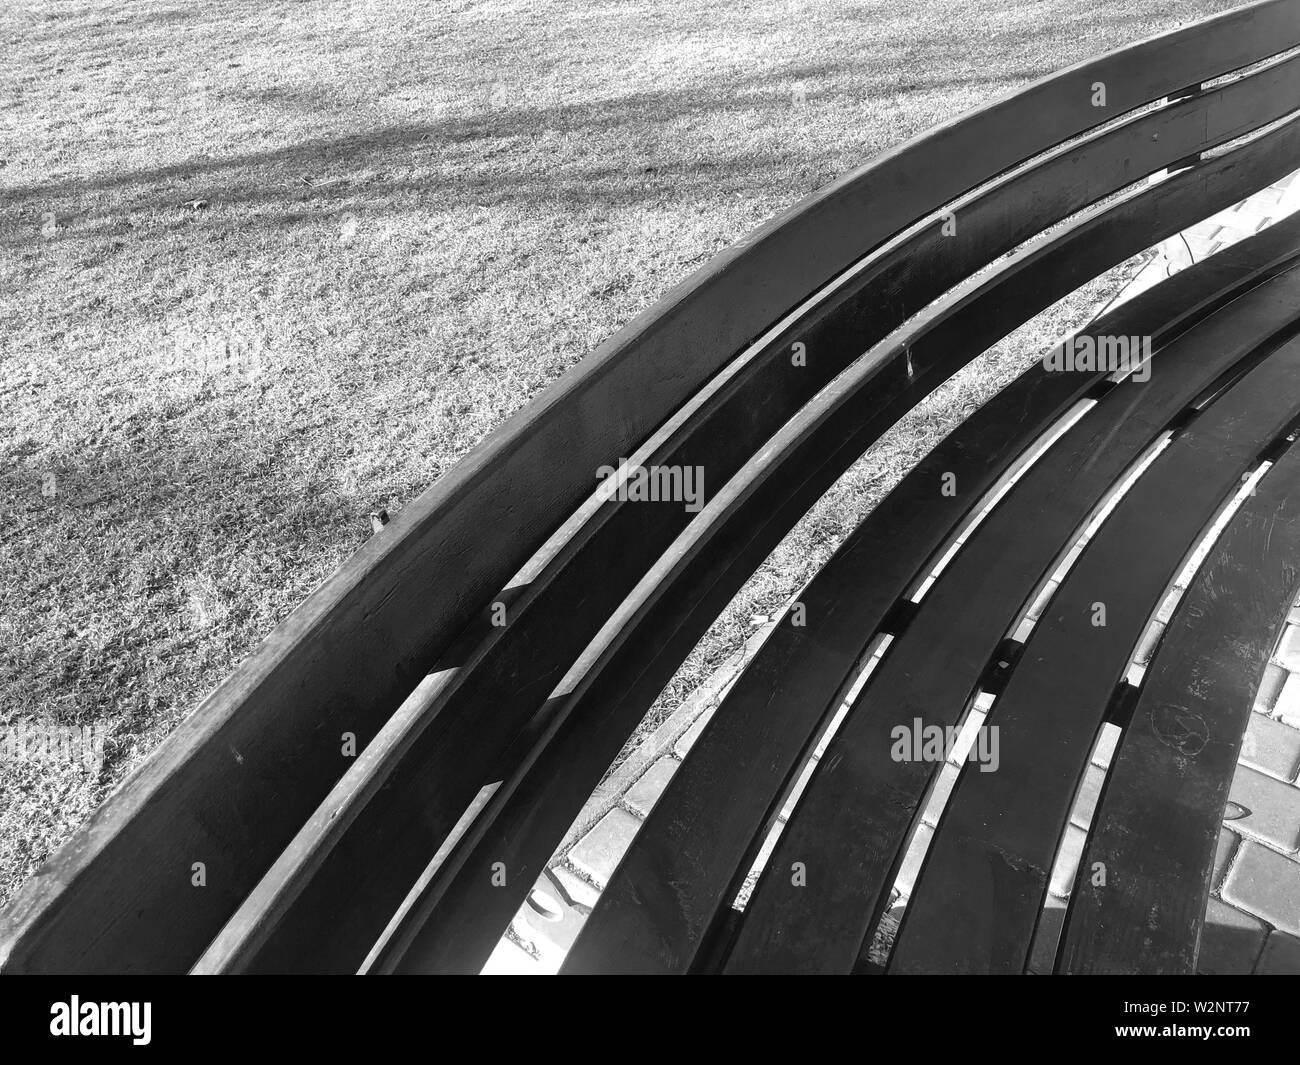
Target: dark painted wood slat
(1158, 820)
(115, 898)
(366, 843)
(982, 886)
(622, 673)
(853, 819)
(680, 870)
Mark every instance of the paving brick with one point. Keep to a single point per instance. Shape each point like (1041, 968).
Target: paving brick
(509, 959)
(1223, 855)
(1071, 557)
(548, 922)
(1089, 792)
(761, 859)
(1270, 688)
(1261, 207)
(912, 861)
(969, 735)
(1274, 808)
(578, 890)
(1267, 884)
(943, 785)
(1203, 237)
(1168, 605)
(1178, 255)
(642, 795)
(1230, 941)
(1147, 644)
(833, 726)
(796, 792)
(1266, 200)
(1106, 745)
(598, 852)
(1288, 649)
(1202, 232)
(1281, 956)
(1287, 706)
(1272, 747)
(1231, 230)
(1044, 597)
(688, 738)
(1067, 861)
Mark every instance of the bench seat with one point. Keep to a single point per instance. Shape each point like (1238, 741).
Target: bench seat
(381, 784)
(983, 886)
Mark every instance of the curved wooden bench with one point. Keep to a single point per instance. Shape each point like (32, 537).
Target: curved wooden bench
(493, 648)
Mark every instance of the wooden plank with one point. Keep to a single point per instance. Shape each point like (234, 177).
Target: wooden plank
(364, 845)
(981, 890)
(621, 673)
(1157, 825)
(852, 822)
(680, 873)
(116, 897)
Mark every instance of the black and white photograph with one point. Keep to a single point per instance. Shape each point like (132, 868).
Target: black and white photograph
(649, 487)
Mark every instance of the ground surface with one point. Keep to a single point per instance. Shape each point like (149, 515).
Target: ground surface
(268, 266)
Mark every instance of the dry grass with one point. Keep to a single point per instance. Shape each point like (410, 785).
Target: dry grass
(402, 220)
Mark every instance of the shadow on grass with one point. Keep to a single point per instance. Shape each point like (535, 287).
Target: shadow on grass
(252, 178)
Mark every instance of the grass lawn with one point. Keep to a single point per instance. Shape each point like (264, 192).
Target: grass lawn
(269, 265)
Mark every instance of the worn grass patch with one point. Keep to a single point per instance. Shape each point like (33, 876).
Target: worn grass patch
(266, 266)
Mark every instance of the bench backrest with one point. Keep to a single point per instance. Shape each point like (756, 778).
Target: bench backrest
(514, 606)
